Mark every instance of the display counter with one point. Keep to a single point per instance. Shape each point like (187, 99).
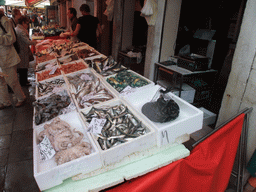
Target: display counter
(88, 114)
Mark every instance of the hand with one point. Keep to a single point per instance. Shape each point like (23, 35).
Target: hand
(3, 75)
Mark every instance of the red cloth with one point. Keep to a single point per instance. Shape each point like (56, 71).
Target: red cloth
(207, 169)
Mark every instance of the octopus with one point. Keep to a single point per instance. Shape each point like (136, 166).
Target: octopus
(72, 153)
(65, 143)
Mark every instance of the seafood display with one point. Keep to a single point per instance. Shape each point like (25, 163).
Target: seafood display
(44, 55)
(126, 78)
(88, 90)
(121, 125)
(47, 87)
(44, 66)
(68, 59)
(162, 110)
(84, 53)
(50, 107)
(52, 49)
(105, 65)
(72, 67)
(67, 145)
(46, 74)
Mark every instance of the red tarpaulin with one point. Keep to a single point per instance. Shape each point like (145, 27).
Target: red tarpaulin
(207, 169)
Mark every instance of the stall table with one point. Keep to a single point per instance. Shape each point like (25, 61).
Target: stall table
(124, 171)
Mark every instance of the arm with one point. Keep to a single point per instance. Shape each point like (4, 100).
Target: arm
(9, 37)
(99, 30)
(78, 27)
(24, 38)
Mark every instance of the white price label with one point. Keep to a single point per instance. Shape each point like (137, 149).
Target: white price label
(46, 150)
(127, 90)
(96, 125)
(53, 70)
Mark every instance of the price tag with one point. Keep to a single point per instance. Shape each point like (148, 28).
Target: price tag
(96, 125)
(127, 90)
(46, 150)
(53, 70)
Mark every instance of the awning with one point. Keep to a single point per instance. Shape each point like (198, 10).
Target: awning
(30, 3)
(35, 3)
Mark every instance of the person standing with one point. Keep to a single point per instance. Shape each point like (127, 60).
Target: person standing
(73, 22)
(24, 42)
(87, 27)
(9, 14)
(16, 14)
(9, 59)
(25, 13)
(35, 19)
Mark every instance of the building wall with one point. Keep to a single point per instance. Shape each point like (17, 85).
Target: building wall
(170, 30)
(161, 39)
(241, 88)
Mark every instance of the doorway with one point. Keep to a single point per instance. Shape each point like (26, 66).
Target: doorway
(224, 16)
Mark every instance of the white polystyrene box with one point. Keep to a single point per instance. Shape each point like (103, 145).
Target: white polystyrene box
(48, 174)
(150, 83)
(71, 107)
(94, 75)
(74, 64)
(190, 118)
(209, 117)
(139, 144)
(63, 86)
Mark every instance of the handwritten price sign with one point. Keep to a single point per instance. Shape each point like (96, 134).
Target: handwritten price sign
(96, 125)
(46, 150)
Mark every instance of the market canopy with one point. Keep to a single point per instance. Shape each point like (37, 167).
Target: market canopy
(30, 3)
(27, 3)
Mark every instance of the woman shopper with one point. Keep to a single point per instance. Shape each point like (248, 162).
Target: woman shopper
(23, 42)
(9, 59)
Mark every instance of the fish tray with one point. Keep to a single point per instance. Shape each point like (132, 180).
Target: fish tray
(45, 65)
(95, 57)
(56, 88)
(73, 66)
(150, 83)
(62, 111)
(94, 76)
(106, 72)
(90, 52)
(190, 118)
(68, 59)
(48, 174)
(49, 73)
(139, 144)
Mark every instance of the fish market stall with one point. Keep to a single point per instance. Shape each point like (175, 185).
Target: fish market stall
(89, 121)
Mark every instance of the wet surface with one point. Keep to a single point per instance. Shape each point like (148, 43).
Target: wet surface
(16, 147)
